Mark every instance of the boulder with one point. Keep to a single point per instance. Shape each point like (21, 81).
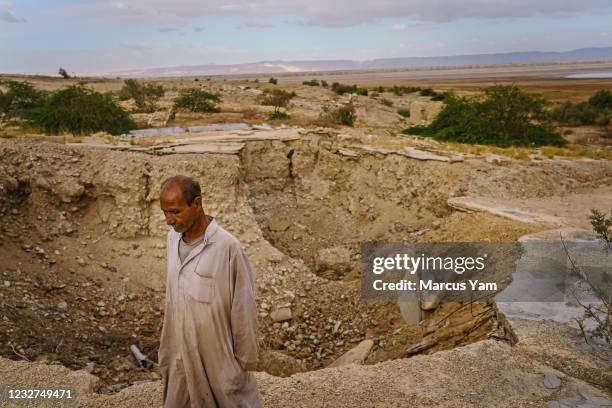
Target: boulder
(356, 355)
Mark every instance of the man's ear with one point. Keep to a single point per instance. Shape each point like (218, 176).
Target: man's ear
(197, 202)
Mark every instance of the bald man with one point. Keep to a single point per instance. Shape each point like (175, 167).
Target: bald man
(209, 337)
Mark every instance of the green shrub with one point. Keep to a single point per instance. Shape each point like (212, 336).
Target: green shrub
(380, 89)
(197, 100)
(273, 81)
(386, 102)
(312, 82)
(504, 117)
(279, 99)
(602, 99)
(144, 94)
(574, 114)
(427, 92)
(405, 112)
(374, 94)
(342, 115)
(20, 99)
(342, 89)
(324, 84)
(440, 96)
(402, 90)
(597, 110)
(79, 110)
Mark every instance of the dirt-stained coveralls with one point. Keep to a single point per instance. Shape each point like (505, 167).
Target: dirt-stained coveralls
(209, 334)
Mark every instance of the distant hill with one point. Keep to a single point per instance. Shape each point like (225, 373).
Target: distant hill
(265, 67)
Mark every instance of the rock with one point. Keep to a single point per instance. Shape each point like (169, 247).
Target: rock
(63, 306)
(81, 261)
(7, 284)
(551, 381)
(279, 224)
(554, 404)
(90, 367)
(280, 315)
(279, 364)
(42, 183)
(334, 258)
(356, 355)
(69, 190)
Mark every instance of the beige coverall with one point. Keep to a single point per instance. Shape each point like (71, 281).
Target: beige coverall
(209, 334)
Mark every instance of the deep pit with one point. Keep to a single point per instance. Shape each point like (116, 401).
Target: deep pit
(83, 246)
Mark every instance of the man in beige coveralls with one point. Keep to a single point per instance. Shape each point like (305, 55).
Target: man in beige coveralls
(209, 338)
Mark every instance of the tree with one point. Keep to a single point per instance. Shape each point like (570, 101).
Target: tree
(197, 100)
(144, 94)
(63, 73)
(278, 98)
(79, 110)
(504, 116)
(20, 99)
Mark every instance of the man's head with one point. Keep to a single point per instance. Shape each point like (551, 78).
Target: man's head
(180, 199)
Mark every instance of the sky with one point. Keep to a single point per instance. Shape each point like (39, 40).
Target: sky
(99, 36)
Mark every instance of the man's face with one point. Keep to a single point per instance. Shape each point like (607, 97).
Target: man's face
(178, 213)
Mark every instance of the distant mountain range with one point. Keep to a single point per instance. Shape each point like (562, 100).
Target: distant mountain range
(270, 67)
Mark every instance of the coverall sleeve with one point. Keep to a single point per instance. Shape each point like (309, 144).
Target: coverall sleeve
(244, 312)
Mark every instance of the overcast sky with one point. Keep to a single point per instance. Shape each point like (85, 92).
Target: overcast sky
(93, 36)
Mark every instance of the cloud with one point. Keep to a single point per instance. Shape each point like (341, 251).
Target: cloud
(331, 13)
(403, 27)
(199, 29)
(7, 16)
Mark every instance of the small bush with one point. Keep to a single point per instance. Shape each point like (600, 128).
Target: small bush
(197, 100)
(386, 102)
(602, 99)
(273, 81)
(324, 84)
(504, 117)
(440, 96)
(597, 110)
(380, 89)
(342, 89)
(374, 94)
(279, 99)
(144, 94)
(79, 110)
(427, 92)
(403, 90)
(405, 112)
(312, 82)
(342, 115)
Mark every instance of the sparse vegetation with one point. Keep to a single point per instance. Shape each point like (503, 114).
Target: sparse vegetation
(405, 112)
(386, 102)
(273, 81)
(342, 89)
(597, 110)
(341, 115)
(312, 82)
(279, 99)
(324, 84)
(197, 100)
(78, 110)
(403, 90)
(144, 94)
(506, 116)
